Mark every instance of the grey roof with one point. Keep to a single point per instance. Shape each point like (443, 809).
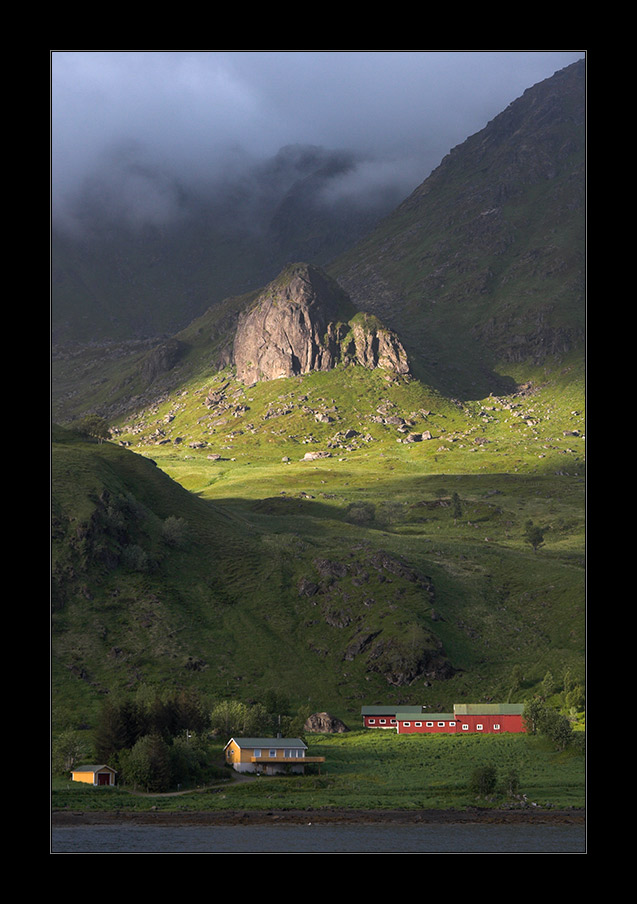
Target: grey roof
(389, 710)
(91, 768)
(269, 742)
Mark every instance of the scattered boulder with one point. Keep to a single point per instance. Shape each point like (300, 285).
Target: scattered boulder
(324, 723)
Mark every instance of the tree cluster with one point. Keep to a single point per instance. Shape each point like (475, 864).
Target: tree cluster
(232, 718)
(540, 718)
(485, 781)
(160, 744)
(154, 746)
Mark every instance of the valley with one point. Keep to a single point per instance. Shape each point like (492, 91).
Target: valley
(354, 484)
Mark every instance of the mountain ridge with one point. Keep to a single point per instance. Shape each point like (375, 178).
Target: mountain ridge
(484, 261)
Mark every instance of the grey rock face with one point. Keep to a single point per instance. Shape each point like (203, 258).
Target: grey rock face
(303, 322)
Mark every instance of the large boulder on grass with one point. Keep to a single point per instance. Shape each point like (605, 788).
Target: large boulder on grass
(324, 723)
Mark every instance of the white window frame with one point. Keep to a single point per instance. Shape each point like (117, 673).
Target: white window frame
(479, 726)
(465, 727)
(418, 724)
(429, 724)
(441, 724)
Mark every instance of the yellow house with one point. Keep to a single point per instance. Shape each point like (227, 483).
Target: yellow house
(269, 755)
(94, 775)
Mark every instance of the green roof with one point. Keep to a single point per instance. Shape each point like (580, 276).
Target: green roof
(431, 717)
(486, 709)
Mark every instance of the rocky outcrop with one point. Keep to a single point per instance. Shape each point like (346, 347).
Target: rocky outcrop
(302, 322)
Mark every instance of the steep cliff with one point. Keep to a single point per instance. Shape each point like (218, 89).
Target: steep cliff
(303, 321)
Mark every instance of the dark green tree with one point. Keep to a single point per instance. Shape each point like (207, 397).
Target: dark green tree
(534, 535)
(146, 765)
(456, 506)
(484, 780)
(94, 426)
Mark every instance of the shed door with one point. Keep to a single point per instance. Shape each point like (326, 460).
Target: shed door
(103, 778)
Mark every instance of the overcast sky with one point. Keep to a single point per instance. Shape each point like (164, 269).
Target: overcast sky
(185, 111)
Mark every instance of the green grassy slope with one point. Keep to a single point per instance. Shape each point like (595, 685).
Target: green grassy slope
(276, 581)
(394, 567)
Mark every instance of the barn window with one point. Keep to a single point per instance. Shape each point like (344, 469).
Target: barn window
(371, 721)
(418, 724)
(496, 727)
(441, 724)
(406, 724)
(479, 727)
(382, 721)
(430, 724)
(465, 728)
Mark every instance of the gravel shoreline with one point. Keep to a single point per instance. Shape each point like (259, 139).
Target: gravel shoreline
(526, 816)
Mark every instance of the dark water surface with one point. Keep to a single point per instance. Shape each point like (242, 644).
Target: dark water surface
(320, 839)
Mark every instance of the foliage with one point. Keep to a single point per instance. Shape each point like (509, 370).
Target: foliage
(93, 425)
(543, 719)
(175, 531)
(534, 535)
(146, 765)
(69, 749)
(484, 780)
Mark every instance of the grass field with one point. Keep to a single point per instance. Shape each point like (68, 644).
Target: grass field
(374, 770)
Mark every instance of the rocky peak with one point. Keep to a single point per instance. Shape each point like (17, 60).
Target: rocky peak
(303, 321)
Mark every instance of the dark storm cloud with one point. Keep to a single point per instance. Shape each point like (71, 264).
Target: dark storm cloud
(140, 118)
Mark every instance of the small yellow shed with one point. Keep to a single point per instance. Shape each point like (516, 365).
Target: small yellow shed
(94, 775)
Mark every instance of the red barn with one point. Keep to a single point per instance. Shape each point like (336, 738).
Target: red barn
(385, 716)
(474, 718)
(489, 718)
(426, 723)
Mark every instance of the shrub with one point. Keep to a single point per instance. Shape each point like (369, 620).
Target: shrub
(484, 780)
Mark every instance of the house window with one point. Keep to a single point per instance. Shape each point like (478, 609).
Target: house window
(273, 753)
(300, 753)
(256, 752)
